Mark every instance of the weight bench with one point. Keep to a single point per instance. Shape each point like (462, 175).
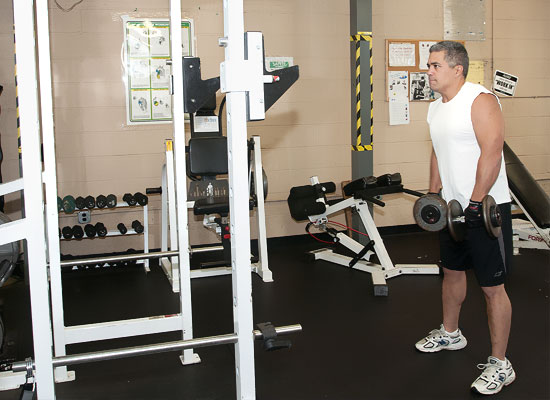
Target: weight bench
(533, 202)
(310, 203)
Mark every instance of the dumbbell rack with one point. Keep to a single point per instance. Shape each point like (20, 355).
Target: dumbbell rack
(111, 233)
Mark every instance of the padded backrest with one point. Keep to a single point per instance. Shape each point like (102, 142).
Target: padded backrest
(208, 156)
(526, 189)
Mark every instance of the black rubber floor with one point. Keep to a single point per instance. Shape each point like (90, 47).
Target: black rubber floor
(353, 345)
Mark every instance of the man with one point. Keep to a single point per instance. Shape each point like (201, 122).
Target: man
(467, 132)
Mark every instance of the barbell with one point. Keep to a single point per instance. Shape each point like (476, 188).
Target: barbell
(433, 214)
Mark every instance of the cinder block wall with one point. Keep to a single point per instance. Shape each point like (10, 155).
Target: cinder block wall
(305, 133)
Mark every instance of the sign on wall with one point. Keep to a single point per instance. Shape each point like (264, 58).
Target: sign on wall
(147, 53)
(504, 83)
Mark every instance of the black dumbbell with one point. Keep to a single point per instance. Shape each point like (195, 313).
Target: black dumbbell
(100, 229)
(111, 201)
(431, 213)
(136, 225)
(67, 232)
(78, 232)
(80, 203)
(89, 230)
(90, 202)
(122, 228)
(101, 201)
(141, 199)
(129, 199)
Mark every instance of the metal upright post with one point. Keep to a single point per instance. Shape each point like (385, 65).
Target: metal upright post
(50, 181)
(239, 197)
(33, 223)
(188, 356)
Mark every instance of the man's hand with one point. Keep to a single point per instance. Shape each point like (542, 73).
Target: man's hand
(473, 214)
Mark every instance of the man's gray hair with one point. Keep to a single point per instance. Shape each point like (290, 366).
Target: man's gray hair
(455, 54)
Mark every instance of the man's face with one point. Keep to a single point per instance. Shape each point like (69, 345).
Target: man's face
(441, 75)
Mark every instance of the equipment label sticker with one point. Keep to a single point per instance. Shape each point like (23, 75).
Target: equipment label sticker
(504, 83)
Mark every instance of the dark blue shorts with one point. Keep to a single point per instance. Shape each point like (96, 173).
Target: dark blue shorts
(489, 258)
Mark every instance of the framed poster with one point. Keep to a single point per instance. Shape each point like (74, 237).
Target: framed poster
(147, 71)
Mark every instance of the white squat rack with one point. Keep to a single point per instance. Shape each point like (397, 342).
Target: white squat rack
(242, 79)
(169, 224)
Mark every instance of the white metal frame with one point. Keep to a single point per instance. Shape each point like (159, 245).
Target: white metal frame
(169, 227)
(240, 79)
(379, 272)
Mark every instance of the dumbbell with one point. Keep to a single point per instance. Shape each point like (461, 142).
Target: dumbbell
(90, 202)
(68, 204)
(67, 232)
(431, 213)
(136, 225)
(101, 201)
(80, 203)
(59, 204)
(111, 201)
(78, 232)
(100, 229)
(129, 199)
(122, 228)
(141, 199)
(89, 230)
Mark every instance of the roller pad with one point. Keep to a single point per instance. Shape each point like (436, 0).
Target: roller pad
(389, 179)
(302, 202)
(367, 182)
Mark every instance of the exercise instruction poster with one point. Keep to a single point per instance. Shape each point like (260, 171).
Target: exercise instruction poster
(147, 73)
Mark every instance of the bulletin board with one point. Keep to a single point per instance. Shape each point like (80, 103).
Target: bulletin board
(406, 61)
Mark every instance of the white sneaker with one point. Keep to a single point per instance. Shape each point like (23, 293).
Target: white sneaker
(496, 374)
(439, 340)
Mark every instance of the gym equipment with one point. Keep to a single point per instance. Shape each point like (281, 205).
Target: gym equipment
(310, 202)
(246, 87)
(9, 253)
(59, 204)
(111, 201)
(432, 214)
(69, 204)
(137, 226)
(101, 201)
(129, 199)
(78, 232)
(141, 199)
(122, 228)
(90, 202)
(90, 230)
(80, 202)
(532, 200)
(67, 232)
(100, 229)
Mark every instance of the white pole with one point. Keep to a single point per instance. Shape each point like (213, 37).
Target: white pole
(23, 16)
(188, 356)
(50, 180)
(238, 206)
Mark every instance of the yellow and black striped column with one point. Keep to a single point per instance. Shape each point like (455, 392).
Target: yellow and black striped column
(362, 36)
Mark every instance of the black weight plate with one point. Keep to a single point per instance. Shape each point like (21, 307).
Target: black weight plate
(491, 217)
(430, 212)
(455, 221)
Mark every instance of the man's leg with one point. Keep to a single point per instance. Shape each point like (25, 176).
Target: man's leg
(499, 314)
(453, 294)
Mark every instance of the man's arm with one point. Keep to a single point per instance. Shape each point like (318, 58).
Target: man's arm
(488, 126)
(435, 179)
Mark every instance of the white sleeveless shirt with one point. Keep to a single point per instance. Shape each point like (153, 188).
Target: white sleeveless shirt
(456, 147)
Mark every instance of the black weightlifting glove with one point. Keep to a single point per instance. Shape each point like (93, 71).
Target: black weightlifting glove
(473, 214)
